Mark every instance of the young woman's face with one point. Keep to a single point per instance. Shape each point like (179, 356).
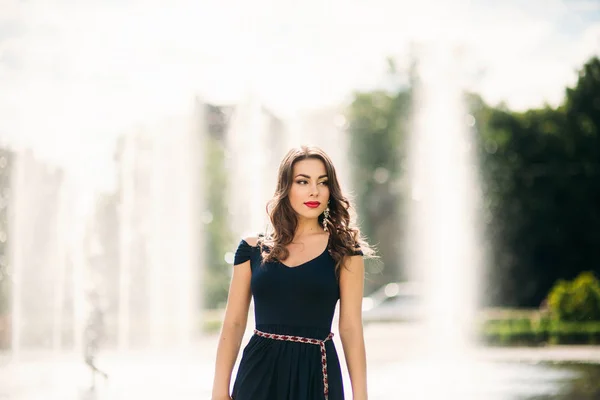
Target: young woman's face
(309, 193)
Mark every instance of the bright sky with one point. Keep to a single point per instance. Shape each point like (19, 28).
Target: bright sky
(75, 74)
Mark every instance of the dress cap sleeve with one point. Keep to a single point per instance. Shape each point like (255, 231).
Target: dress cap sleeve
(243, 253)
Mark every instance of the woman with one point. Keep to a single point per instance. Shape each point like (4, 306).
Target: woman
(296, 274)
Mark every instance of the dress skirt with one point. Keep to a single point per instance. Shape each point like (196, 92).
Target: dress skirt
(281, 370)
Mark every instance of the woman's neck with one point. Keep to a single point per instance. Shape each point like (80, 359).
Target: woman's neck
(308, 227)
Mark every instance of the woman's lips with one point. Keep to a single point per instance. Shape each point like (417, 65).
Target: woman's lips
(312, 204)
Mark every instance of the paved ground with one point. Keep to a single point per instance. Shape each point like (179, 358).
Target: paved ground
(399, 367)
(396, 342)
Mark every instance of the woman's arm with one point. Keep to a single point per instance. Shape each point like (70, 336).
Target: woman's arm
(350, 325)
(232, 332)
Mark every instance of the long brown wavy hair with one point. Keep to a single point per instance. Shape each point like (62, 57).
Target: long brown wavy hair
(344, 236)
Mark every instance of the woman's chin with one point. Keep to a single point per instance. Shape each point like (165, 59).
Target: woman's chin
(308, 215)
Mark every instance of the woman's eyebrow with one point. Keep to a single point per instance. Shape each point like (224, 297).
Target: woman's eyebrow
(306, 176)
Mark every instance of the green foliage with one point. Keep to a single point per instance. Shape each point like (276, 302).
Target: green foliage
(578, 300)
(377, 128)
(541, 171)
(212, 321)
(536, 330)
(572, 317)
(541, 174)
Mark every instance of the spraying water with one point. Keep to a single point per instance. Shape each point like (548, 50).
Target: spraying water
(252, 145)
(45, 229)
(142, 267)
(444, 250)
(160, 203)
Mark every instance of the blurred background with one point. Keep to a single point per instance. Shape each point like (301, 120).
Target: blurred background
(139, 142)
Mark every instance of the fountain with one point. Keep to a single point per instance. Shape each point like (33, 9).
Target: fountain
(44, 300)
(255, 142)
(113, 281)
(444, 245)
(445, 256)
(160, 233)
(324, 128)
(255, 130)
(95, 272)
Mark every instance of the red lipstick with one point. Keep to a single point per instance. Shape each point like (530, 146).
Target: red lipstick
(312, 204)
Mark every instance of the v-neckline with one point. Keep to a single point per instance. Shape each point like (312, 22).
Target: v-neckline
(307, 262)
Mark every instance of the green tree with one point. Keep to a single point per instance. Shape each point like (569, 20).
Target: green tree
(542, 176)
(377, 127)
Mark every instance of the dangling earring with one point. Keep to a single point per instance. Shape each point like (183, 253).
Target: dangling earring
(325, 218)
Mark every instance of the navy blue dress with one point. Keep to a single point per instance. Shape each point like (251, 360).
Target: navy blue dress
(296, 301)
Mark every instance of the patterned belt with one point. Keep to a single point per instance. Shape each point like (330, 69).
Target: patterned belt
(300, 339)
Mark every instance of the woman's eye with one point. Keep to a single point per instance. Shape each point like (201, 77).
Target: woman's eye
(305, 182)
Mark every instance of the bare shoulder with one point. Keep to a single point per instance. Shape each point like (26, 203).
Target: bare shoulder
(252, 240)
(354, 263)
